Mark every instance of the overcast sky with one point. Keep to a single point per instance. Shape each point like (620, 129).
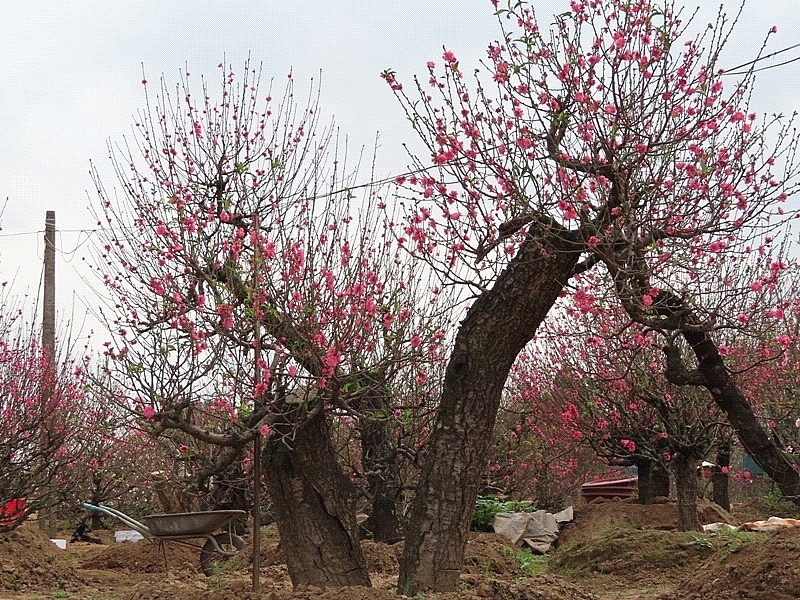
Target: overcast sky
(71, 80)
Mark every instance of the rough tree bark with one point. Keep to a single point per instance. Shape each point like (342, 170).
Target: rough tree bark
(660, 481)
(684, 465)
(719, 477)
(380, 467)
(499, 324)
(644, 481)
(313, 507)
(378, 457)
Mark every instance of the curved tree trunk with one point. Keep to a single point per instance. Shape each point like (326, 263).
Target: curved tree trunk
(498, 325)
(716, 378)
(313, 503)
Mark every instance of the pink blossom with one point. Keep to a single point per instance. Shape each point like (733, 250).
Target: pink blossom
(226, 312)
(332, 358)
(776, 313)
(449, 57)
(524, 142)
(149, 413)
(265, 430)
(416, 341)
(610, 109)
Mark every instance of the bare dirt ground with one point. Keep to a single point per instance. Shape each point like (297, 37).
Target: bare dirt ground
(613, 550)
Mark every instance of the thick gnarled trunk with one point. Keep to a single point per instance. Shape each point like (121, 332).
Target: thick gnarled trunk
(313, 502)
(499, 324)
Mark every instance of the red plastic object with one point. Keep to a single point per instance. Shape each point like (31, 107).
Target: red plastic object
(615, 488)
(11, 511)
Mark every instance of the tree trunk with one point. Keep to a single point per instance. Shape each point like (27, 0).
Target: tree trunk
(313, 503)
(660, 478)
(378, 458)
(498, 325)
(231, 492)
(685, 468)
(644, 481)
(740, 415)
(719, 477)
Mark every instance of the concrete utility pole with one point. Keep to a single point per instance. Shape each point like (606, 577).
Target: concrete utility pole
(256, 582)
(47, 520)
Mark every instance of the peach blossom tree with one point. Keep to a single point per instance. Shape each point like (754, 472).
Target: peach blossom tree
(608, 150)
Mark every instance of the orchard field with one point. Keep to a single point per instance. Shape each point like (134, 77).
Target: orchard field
(589, 270)
(613, 550)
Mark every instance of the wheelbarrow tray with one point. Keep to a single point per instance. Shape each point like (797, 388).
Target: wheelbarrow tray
(189, 524)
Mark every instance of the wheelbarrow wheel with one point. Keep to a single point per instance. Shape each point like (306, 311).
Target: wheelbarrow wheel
(211, 560)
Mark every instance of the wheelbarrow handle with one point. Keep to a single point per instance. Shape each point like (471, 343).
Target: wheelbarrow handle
(113, 512)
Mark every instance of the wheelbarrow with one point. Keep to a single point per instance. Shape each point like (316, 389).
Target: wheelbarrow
(181, 527)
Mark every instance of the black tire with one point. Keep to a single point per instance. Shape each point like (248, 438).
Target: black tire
(210, 559)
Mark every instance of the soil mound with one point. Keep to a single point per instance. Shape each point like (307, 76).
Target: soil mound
(491, 554)
(748, 566)
(632, 541)
(145, 557)
(628, 553)
(28, 559)
(382, 558)
(605, 515)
